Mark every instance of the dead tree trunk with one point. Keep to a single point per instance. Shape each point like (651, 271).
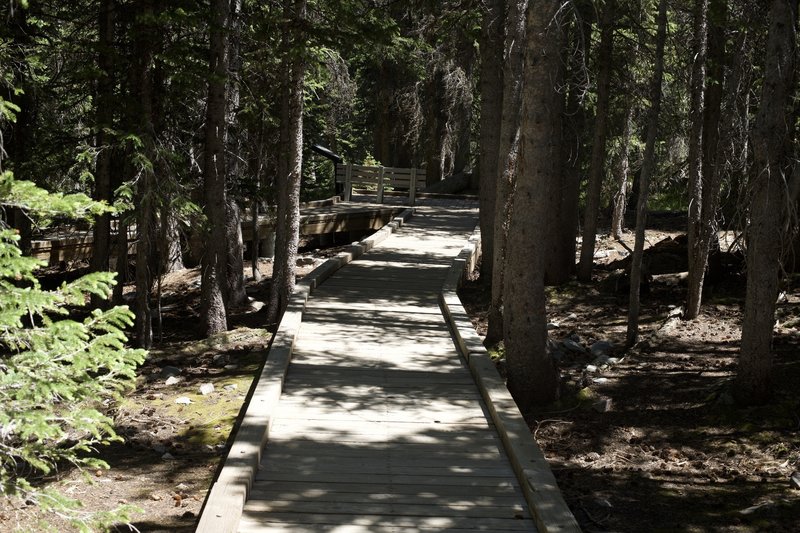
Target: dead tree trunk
(697, 256)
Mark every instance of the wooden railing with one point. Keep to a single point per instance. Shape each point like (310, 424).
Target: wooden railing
(410, 179)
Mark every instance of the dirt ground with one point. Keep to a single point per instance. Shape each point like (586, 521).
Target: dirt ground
(644, 440)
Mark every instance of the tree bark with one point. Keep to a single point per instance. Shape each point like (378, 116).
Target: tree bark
(104, 116)
(597, 164)
(21, 143)
(492, 93)
(214, 265)
(169, 240)
(560, 255)
(648, 168)
(620, 198)
(507, 158)
(237, 295)
(289, 164)
(146, 36)
(698, 257)
(532, 375)
(770, 171)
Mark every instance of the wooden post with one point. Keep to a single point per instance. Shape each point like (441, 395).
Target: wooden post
(348, 185)
(380, 186)
(412, 189)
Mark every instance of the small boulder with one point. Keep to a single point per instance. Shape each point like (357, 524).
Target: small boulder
(173, 380)
(206, 388)
(183, 400)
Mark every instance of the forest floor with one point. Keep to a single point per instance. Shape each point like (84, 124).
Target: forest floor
(643, 440)
(649, 439)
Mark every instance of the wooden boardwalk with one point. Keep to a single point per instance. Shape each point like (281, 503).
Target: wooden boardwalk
(380, 426)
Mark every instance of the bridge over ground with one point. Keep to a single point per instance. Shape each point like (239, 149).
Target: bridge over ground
(378, 408)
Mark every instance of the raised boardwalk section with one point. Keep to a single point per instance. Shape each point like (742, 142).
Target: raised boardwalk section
(380, 426)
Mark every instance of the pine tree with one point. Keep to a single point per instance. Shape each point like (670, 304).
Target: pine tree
(56, 373)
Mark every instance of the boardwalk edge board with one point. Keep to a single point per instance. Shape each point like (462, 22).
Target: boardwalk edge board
(222, 510)
(537, 481)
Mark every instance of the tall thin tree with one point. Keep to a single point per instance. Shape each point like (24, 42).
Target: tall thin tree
(698, 256)
(491, 87)
(597, 163)
(515, 23)
(104, 116)
(146, 34)
(214, 268)
(532, 375)
(290, 162)
(648, 169)
(771, 169)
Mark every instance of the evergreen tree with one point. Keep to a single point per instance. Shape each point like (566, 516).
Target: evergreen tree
(57, 374)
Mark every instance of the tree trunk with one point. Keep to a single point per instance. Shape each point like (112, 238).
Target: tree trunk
(104, 115)
(146, 36)
(169, 241)
(436, 127)
(596, 166)
(236, 294)
(21, 143)
(507, 158)
(698, 257)
(620, 198)
(491, 87)
(715, 156)
(255, 243)
(381, 134)
(770, 171)
(648, 168)
(560, 255)
(290, 164)
(532, 375)
(214, 265)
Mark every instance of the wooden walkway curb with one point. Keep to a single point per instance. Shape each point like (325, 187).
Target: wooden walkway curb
(533, 472)
(222, 510)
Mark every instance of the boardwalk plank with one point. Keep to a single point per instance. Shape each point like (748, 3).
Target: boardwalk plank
(371, 522)
(380, 426)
